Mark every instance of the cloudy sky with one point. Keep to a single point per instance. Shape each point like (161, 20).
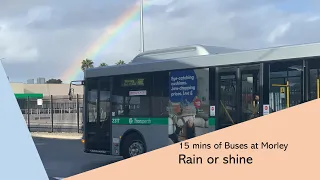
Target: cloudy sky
(42, 38)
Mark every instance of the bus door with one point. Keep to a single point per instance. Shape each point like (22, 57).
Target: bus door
(287, 84)
(238, 94)
(227, 113)
(98, 119)
(314, 78)
(250, 92)
(315, 86)
(280, 96)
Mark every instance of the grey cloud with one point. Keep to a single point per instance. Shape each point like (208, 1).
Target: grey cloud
(71, 13)
(301, 32)
(16, 8)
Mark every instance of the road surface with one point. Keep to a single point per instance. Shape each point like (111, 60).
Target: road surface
(64, 157)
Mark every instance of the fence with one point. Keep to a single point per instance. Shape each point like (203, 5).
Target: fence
(56, 114)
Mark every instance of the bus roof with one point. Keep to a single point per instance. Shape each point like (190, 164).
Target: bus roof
(150, 62)
(180, 52)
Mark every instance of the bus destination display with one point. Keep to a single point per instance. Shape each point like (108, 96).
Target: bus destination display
(133, 82)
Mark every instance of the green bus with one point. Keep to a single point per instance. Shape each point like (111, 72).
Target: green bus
(169, 95)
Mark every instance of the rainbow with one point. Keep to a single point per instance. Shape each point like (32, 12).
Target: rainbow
(106, 39)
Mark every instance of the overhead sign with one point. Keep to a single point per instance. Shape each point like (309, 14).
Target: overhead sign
(212, 111)
(266, 109)
(138, 93)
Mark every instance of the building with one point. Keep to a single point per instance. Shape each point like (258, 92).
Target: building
(41, 80)
(45, 90)
(58, 93)
(30, 81)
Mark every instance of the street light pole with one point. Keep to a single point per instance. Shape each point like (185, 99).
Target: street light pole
(141, 27)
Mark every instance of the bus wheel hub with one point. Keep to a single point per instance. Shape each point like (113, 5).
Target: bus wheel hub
(135, 149)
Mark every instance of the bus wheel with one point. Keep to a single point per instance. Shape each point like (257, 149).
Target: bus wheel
(133, 145)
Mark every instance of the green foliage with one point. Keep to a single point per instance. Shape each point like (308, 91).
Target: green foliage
(54, 81)
(103, 64)
(86, 64)
(120, 62)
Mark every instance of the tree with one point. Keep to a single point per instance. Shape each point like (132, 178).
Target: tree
(54, 81)
(103, 64)
(86, 64)
(120, 62)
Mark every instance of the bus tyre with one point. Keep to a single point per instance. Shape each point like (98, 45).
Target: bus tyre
(133, 145)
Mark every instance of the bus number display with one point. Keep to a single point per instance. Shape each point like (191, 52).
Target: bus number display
(115, 120)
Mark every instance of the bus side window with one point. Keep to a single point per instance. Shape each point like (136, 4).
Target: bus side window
(137, 106)
(160, 95)
(126, 105)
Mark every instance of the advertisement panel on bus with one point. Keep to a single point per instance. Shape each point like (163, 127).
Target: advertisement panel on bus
(188, 104)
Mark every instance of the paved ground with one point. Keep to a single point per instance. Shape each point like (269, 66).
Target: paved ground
(54, 135)
(65, 157)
